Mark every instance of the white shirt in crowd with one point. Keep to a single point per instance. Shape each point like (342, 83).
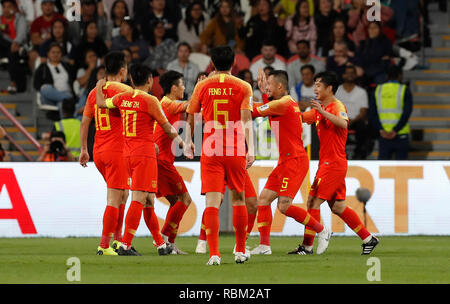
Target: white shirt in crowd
(354, 100)
(306, 92)
(60, 77)
(277, 64)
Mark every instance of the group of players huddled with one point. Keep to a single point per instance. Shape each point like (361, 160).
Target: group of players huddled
(133, 150)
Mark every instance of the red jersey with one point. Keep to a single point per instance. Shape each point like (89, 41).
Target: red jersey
(222, 97)
(332, 139)
(139, 111)
(172, 109)
(108, 123)
(286, 123)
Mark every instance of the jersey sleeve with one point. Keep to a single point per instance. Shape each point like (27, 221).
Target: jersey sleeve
(273, 108)
(195, 101)
(155, 110)
(175, 107)
(247, 100)
(339, 110)
(112, 88)
(309, 117)
(90, 102)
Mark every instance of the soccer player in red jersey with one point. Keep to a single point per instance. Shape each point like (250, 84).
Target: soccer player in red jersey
(139, 111)
(330, 117)
(108, 146)
(227, 104)
(293, 163)
(170, 183)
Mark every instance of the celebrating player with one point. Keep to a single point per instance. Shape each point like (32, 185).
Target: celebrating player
(108, 147)
(139, 111)
(170, 183)
(293, 163)
(227, 104)
(330, 117)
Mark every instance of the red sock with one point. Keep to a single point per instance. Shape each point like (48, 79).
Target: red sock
(354, 222)
(240, 220)
(302, 216)
(250, 223)
(118, 232)
(132, 220)
(153, 225)
(173, 219)
(202, 229)
(310, 234)
(212, 230)
(109, 224)
(264, 224)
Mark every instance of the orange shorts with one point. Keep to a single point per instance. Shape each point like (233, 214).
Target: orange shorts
(287, 178)
(249, 189)
(329, 183)
(144, 173)
(113, 168)
(218, 170)
(170, 181)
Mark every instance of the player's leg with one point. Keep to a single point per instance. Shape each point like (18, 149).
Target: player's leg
(202, 242)
(110, 217)
(179, 205)
(252, 209)
(264, 220)
(240, 220)
(211, 214)
(153, 225)
(313, 204)
(351, 218)
(132, 219)
(118, 230)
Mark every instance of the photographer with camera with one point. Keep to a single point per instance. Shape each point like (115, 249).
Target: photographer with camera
(56, 150)
(13, 35)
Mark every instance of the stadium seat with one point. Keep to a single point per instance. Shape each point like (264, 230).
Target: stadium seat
(201, 60)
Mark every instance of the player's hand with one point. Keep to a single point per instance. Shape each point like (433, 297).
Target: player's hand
(101, 83)
(188, 150)
(262, 81)
(250, 160)
(84, 158)
(317, 106)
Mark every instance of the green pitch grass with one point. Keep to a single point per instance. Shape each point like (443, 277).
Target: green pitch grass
(403, 260)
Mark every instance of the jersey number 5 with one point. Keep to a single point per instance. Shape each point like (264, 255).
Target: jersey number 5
(217, 113)
(129, 123)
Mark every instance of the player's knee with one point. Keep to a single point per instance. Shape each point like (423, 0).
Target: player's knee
(186, 200)
(252, 205)
(237, 197)
(283, 205)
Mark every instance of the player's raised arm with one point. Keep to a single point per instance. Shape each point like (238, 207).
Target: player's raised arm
(340, 122)
(100, 98)
(309, 117)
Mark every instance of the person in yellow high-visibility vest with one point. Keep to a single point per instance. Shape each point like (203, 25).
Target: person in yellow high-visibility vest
(391, 108)
(70, 126)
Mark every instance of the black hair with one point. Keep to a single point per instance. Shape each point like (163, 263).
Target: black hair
(329, 79)
(112, 15)
(394, 72)
(281, 77)
(304, 42)
(296, 18)
(308, 66)
(65, 36)
(135, 33)
(114, 61)
(55, 44)
(140, 73)
(268, 42)
(13, 2)
(68, 107)
(184, 43)
(189, 20)
(351, 66)
(222, 57)
(168, 79)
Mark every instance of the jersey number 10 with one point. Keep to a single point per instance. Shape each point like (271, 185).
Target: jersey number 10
(129, 122)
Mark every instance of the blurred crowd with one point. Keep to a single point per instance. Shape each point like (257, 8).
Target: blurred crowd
(63, 51)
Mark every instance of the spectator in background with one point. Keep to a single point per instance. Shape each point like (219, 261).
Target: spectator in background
(97, 74)
(303, 92)
(213, 6)
(193, 24)
(157, 10)
(41, 28)
(70, 126)
(263, 25)
(90, 40)
(129, 38)
(302, 58)
(54, 78)
(340, 60)
(13, 36)
(182, 65)
(119, 11)
(223, 29)
(162, 49)
(356, 101)
(301, 27)
(59, 8)
(287, 8)
(390, 109)
(56, 149)
(269, 58)
(77, 29)
(247, 76)
(26, 8)
(324, 19)
(108, 8)
(407, 19)
(59, 35)
(91, 61)
(374, 54)
(339, 34)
